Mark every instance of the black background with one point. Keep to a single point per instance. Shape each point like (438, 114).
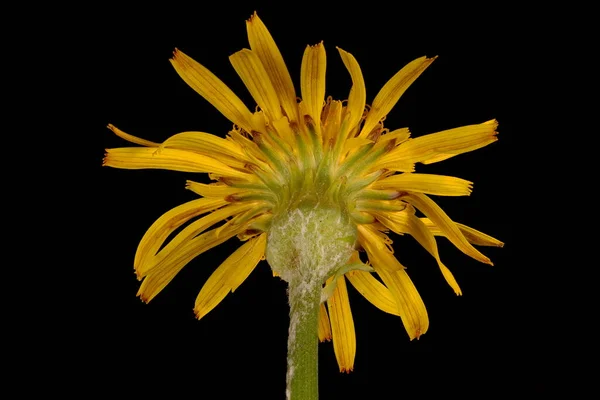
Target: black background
(490, 341)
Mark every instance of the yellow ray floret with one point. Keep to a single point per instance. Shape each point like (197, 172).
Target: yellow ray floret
(263, 44)
(167, 223)
(391, 92)
(472, 235)
(165, 271)
(248, 66)
(312, 81)
(439, 146)
(230, 274)
(426, 183)
(374, 291)
(409, 304)
(212, 89)
(173, 159)
(342, 326)
(324, 330)
(358, 94)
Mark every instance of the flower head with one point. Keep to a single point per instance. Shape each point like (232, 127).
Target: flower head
(293, 155)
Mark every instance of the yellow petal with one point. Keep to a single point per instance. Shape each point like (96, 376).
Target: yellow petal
(312, 81)
(416, 228)
(377, 242)
(399, 135)
(248, 66)
(445, 224)
(211, 190)
(204, 143)
(410, 305)
(354, 143)
(212, 89)
(324, 324)
(282, 127)
(170, 250)
(390, 93)
(171, 159)
(333, 120)
(443, 145)
(342, 326)
(262, 43)
(380, 205)
(131, 138)
(426, 183)
(168, 223)
(397, 166)
(358, 94)
(230, 274)
(374, 291)
(472, 235)
(159, 277)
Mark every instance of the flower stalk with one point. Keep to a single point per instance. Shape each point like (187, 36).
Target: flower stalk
(305, 247)
(302, 362)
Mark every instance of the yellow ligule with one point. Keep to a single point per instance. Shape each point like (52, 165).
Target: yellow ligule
(230, 274)
(472, 235)
(188, 233)
(342, 326)
(399, 135)
(312, 81)
(262, 43)
(171, 159)
(354, 143)
(445, 224)
(324, 330)
(212, 89)
(373, 290)
(131, 138)
(211, 190)
(358, 94)
(169, 222)
(442, 145)
(159, 277)
(410, 305)
(416, 228)
(426, 183)
(204, 143)
(390, 93)
(248, 66)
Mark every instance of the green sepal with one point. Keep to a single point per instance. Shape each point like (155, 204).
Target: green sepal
(330, 287)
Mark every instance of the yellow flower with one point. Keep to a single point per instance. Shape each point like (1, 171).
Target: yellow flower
(313, 152)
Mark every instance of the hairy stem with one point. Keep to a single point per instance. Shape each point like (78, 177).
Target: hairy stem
(302, 363)
(305, 247)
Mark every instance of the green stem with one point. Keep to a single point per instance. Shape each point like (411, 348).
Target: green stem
(303, 344)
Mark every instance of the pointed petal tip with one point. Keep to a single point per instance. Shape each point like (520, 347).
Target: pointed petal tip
(417, 334)
(138, 275)
(252, 17)
(143, 297)
(199, 314)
